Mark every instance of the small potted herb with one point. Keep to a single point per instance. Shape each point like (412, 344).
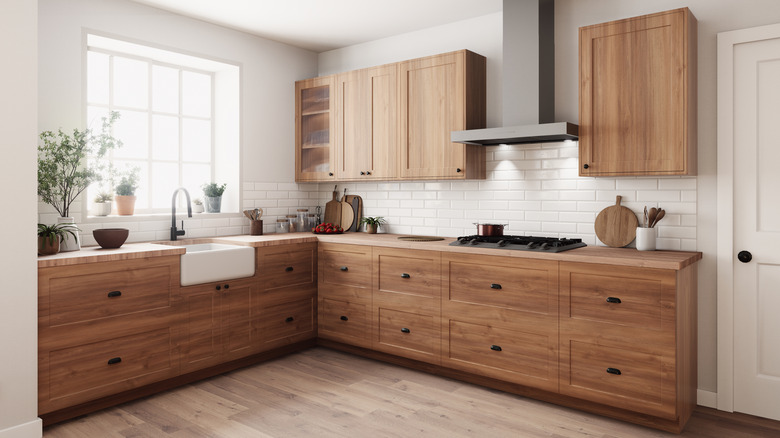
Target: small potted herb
(50, 237)
(197, 205)
(102, 204)
(372, 223)
(125, 193)
(212, 193)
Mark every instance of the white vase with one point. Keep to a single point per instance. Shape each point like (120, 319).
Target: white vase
(69, 243)
(101, 208)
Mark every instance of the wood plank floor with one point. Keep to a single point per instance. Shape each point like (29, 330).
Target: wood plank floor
(325, 393)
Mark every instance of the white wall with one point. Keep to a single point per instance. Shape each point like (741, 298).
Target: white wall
(18, 266)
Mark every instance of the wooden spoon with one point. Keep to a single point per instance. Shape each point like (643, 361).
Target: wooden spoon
(248, 214)
(658, 217)
(651, 216)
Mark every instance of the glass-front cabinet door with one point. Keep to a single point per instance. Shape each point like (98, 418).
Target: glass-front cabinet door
(314, 129)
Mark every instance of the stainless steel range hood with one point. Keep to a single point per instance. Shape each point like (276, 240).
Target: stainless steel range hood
(542, 133)
(528, 90)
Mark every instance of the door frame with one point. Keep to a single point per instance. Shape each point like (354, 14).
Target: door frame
(725, 199)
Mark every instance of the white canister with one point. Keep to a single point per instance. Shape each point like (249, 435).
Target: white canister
(645, 239)
(69, 243)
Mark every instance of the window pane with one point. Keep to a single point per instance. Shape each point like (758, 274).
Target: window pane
(165, 89)
(196, 94)
(165, 179)
(132, 128)
(95, 117)
(196, 136)
(194, 176)
(131, 83)
(165, 138)
(97, 71)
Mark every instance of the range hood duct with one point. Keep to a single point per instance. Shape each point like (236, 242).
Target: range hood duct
(528, 80)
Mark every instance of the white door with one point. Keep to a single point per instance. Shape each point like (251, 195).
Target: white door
(756, 238)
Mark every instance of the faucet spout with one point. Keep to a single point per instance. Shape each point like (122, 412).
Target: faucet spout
(174, 232)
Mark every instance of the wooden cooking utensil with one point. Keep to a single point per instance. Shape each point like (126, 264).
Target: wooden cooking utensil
(658, 217)
(616, 225)
(651, 214)
(333, 210)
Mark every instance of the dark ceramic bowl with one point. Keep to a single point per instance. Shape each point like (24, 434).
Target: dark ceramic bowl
(110, 237)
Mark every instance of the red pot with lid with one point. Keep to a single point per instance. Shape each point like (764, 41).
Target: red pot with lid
(490, 230)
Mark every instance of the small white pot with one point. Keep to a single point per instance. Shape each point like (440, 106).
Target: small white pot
(645, 239)
(101, 208)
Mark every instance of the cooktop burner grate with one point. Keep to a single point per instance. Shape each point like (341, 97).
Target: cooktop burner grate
(521, 243)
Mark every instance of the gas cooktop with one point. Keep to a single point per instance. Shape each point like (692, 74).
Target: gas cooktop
(522, 243)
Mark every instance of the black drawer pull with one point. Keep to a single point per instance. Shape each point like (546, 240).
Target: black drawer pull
(114, 360)
(227, 286)
(614, 371)
(219, 287)
(405, 275)
(115, 293)
(289, 319)
(495, 347)
(613, 300)
(344, 318)
(344, 268)
(288, 269)
(405, 330)
(495, 286)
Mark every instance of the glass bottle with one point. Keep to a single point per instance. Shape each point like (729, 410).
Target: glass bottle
(282, 226)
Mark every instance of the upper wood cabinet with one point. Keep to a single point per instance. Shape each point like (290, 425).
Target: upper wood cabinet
(441, 94)
(367, 124)
(314, 126)
(638, 96)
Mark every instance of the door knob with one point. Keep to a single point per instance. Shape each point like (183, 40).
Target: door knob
(745, 256)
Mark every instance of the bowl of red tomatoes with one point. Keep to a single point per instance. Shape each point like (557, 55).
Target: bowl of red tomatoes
(327, 229)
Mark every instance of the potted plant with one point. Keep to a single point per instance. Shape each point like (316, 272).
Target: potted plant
(372, 223)
(197, 205)
(212, 193)
(102, 204)
(50, 237)
(69, 163)
(125, 193)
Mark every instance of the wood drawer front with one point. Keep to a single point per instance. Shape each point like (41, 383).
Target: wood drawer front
(642, 298)
(409, 272)
(527, 286)
(645, 383)
(288, 265)
(521, 357)
(409, 334)
(344, 321)
(78, 298)
(288, 322)
(86, 372)
(346, 265)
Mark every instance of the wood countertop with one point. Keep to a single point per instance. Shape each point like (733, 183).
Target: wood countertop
(589, 254)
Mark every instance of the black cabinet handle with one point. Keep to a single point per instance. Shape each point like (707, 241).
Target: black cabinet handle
(344, 268)
(458, 170)
(613, 300)
(368, 172)
(289, 319)
(585, 166)
(495, 347)
(115, 293)
(344, 318)
(114, 360)
(495, 286)
(330, 173)
(288, 269)
(614, 371)
(405, 275)
(219, 287)
(405, 330)
(362, 173)
(227, 286)
(745, 256)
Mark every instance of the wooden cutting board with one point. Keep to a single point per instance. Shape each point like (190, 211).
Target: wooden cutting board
(357, 208)
(347, 215)
(616, 225)
(333, 210)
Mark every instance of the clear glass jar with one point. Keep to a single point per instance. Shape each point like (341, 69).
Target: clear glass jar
(292, 220)
(301, 220)
(282, 226)
(311, 221)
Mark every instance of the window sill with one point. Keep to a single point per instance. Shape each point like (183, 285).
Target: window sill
(144, 217)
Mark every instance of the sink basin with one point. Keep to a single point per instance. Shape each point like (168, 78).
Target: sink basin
(207, 262)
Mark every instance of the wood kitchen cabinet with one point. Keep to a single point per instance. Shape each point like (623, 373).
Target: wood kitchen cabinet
(500, 318)
(315, 122)
(628, 339)
(441, 94)
(638, 96)
(105, 328)
(217, 322)
(367, 124)
(344, 293)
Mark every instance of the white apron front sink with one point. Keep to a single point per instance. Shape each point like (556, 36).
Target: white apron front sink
(207, 262)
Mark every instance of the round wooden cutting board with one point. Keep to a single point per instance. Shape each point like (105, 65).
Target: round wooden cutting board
(616, 225)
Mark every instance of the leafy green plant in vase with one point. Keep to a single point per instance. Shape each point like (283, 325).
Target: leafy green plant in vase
(212, 194)
(68, 164)
(50, 237)
(102, 204)
(372, 223)
(125, 193)
(197, 205)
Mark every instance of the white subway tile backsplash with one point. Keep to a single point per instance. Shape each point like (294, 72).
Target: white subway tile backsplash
(637, 184)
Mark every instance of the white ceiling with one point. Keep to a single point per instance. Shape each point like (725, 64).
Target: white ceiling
(322, 25)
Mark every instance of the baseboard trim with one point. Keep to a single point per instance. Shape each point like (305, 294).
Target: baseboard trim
(707, 398)
(31, 429)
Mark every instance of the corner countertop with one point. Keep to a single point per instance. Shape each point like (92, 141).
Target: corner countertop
(590, 254)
